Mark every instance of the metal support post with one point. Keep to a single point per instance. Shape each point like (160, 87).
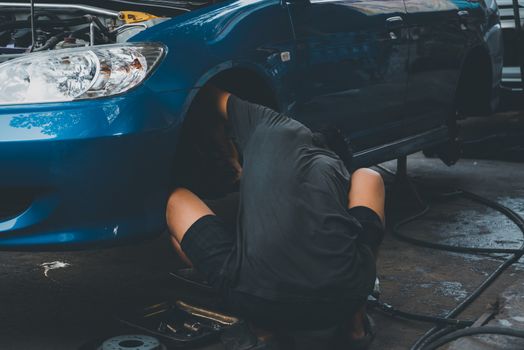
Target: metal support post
(520, 44)
(404, 191)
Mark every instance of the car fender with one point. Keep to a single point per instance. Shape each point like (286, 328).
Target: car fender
(208, 41)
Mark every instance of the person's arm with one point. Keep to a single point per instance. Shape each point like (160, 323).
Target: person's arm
(242, 117)
(223, 97)
(219, 99)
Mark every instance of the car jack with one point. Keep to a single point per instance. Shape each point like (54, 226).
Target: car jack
(403, 191)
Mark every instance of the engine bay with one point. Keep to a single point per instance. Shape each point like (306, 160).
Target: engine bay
(69, 25)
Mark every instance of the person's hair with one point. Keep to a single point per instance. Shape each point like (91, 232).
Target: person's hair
(203, 156)
(331, 137)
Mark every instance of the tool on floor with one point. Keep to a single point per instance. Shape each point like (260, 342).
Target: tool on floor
(132, 341)
(180, 324)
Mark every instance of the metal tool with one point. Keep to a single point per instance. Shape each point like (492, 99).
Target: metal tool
(33, 28)
(207, 314)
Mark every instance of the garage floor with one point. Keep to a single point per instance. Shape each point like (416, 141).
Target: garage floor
(66, 307)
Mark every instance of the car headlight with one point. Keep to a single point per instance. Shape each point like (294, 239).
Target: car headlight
(79, 73)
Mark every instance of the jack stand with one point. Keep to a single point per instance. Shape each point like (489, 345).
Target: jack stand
(404, 196)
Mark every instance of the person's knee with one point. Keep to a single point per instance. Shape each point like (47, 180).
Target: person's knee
(370, 177)
(367, 189)
(177, 197)
(184, 208)
(175, 202)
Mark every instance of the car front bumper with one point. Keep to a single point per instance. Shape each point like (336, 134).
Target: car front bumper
(87, 172)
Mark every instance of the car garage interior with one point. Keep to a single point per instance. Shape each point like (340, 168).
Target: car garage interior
(262, 174)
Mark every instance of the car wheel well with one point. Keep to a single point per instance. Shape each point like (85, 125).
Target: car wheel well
(473, 98)
(203, 160)
(475, 84)
(246, 84)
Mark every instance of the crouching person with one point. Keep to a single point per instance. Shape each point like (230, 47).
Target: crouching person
(303, 254)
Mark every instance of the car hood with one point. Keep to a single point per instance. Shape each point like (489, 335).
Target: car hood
(158, 7)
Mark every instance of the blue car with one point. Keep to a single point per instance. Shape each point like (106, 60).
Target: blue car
(94, 96)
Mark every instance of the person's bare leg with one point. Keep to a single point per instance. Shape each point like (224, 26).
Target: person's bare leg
(367, 190)
(184, 208)
(180, 252)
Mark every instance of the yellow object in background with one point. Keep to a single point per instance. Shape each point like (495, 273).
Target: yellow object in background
(135, 16)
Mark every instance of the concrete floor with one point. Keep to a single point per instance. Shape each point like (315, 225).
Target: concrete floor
(72, 305)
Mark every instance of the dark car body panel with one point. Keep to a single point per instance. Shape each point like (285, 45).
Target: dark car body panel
(438, 46)
(347, 62)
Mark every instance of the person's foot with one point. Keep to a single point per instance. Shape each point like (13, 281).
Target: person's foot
(362, 332)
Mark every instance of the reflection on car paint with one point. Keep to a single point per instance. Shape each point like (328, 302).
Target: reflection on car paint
(430, 5)
(48, 123)
(440, 5)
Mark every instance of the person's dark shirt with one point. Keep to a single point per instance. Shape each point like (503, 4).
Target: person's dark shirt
(296, 239)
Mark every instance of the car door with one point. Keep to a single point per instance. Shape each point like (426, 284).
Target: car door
(351, 58)
(437, 47)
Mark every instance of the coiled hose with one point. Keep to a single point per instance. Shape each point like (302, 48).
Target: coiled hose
(448, 328)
